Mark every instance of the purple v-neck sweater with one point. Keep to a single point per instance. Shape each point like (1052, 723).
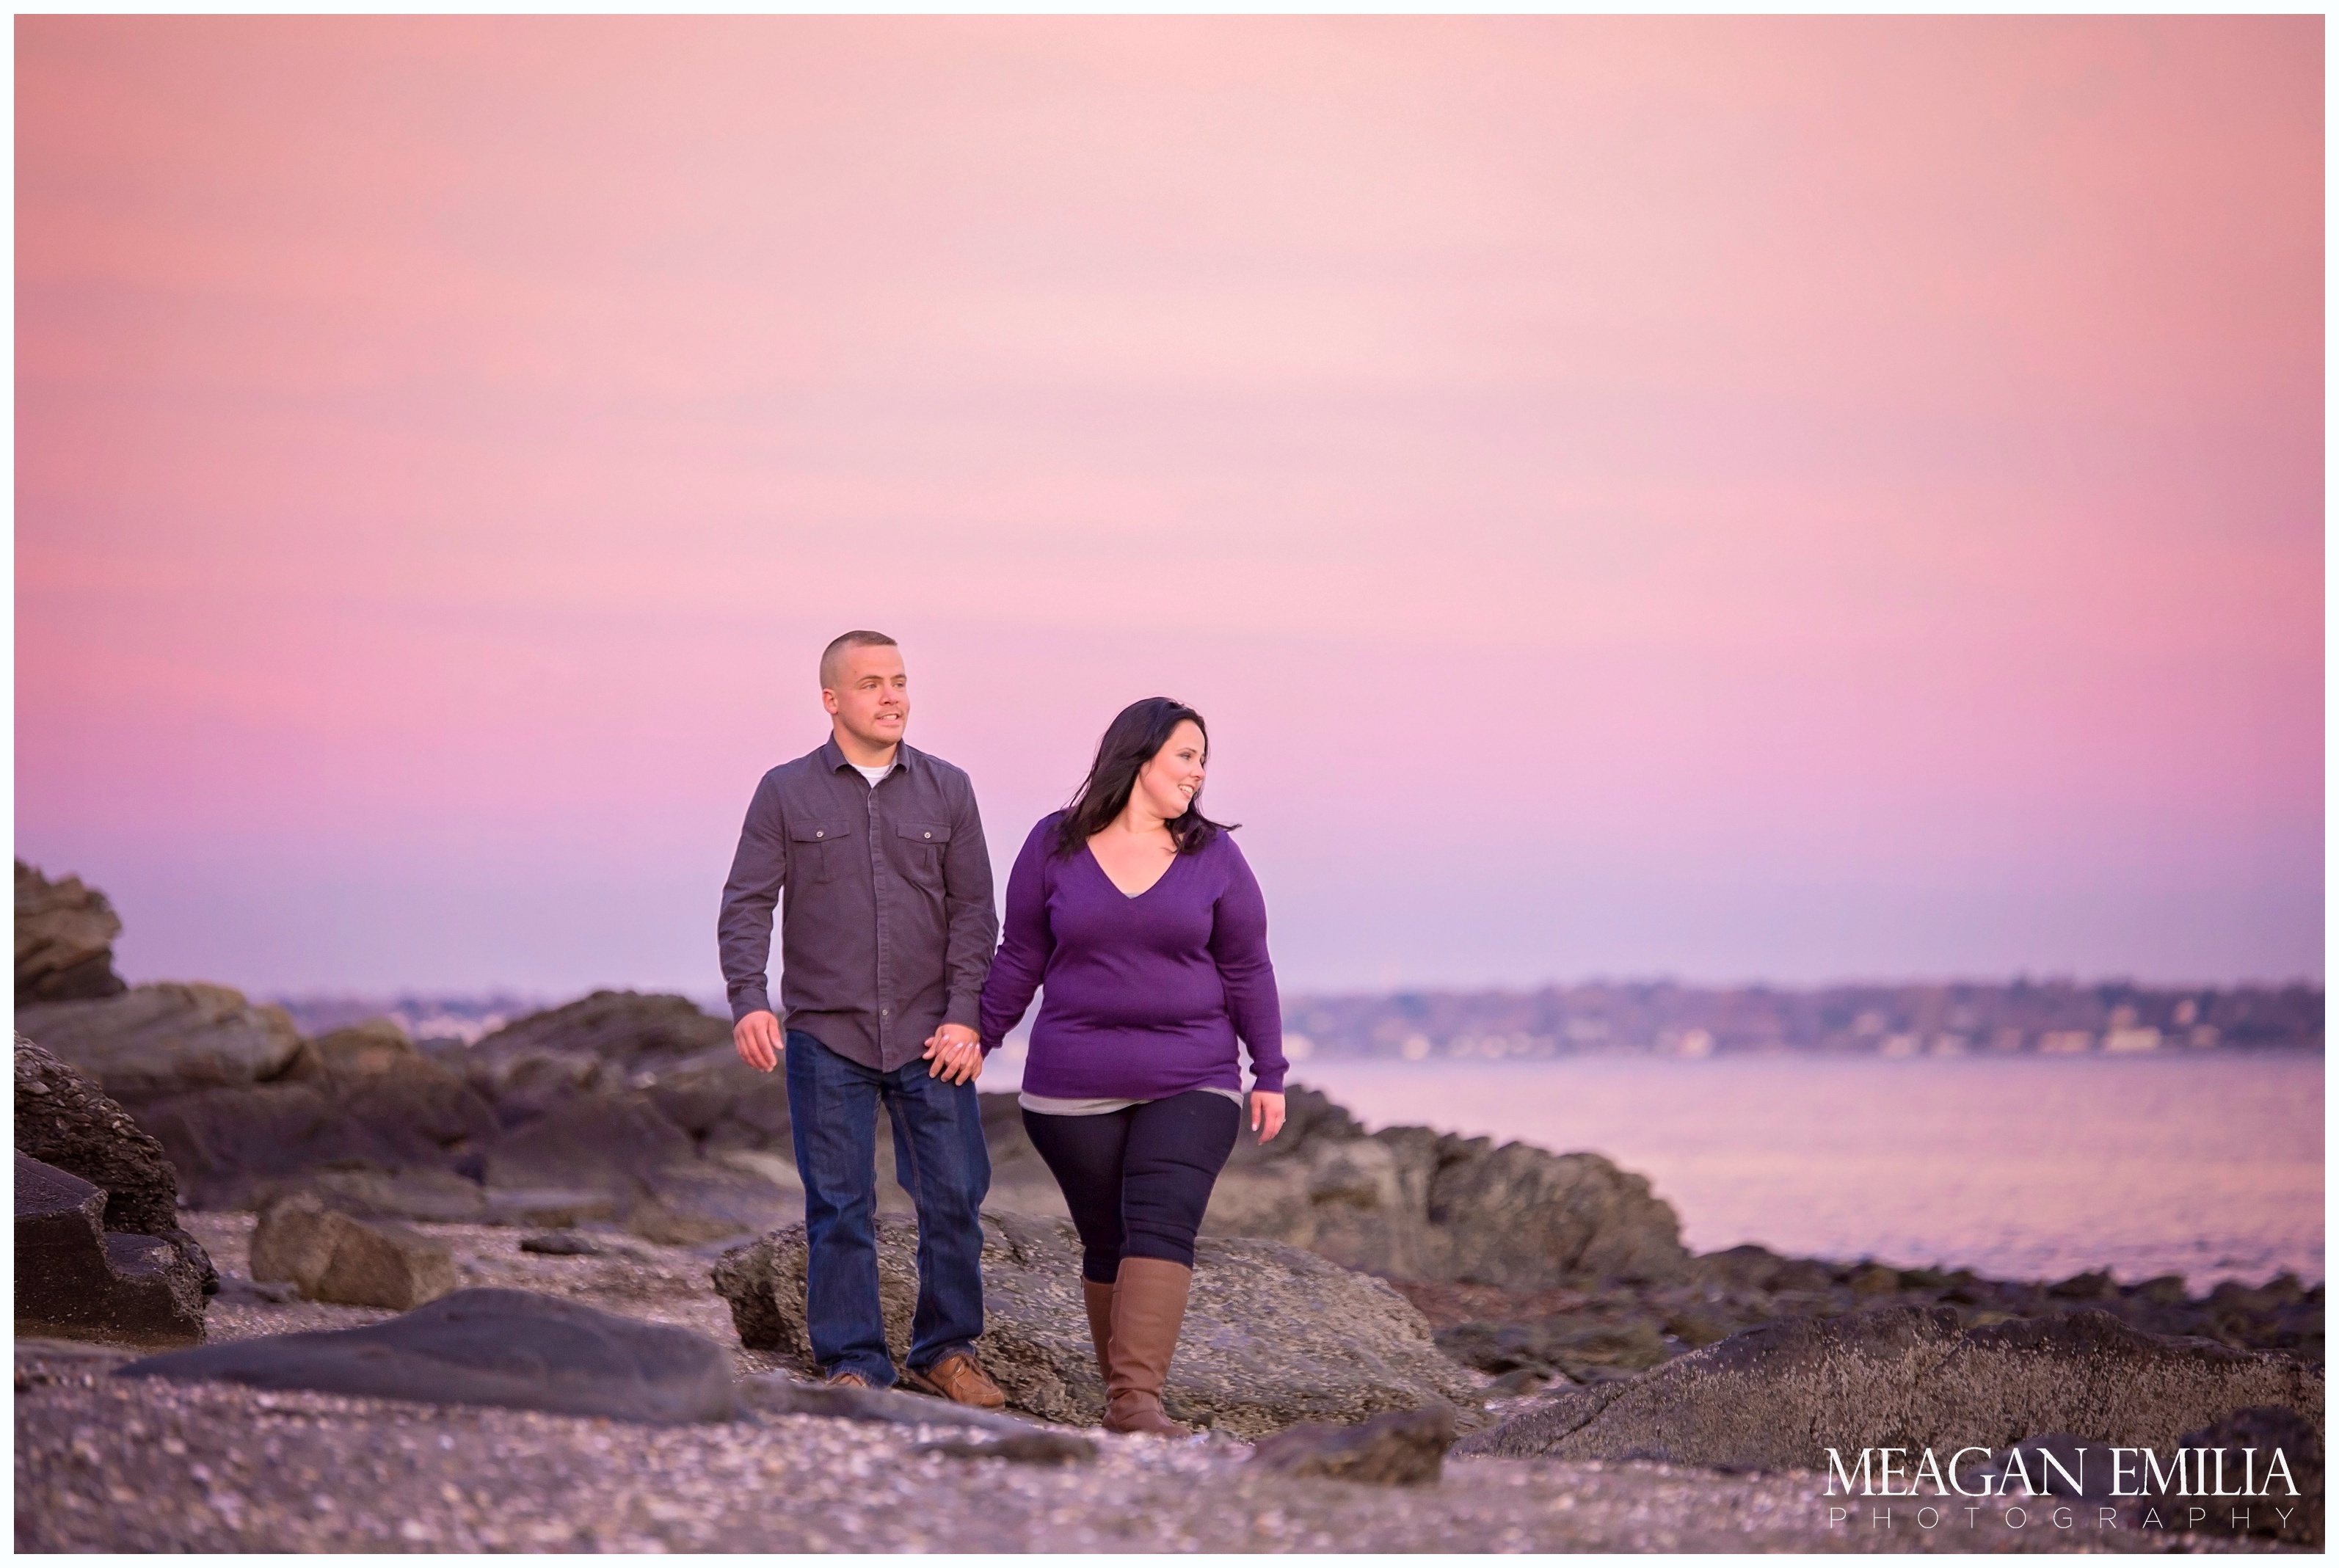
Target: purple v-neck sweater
(1145, 995)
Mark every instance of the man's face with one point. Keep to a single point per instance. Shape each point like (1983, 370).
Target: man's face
(871, 699)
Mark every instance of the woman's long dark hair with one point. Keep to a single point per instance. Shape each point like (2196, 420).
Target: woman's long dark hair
(1136, 734)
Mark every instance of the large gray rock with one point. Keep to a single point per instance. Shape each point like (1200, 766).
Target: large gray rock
(617, 1043)
(332, 1257)
(76, 1280)
(1777, 1397)
(416, 1143)
(358, 1099)
(66, 1121)
(65, 940)
(720, 1101)
(523, 1087)
(1273, 1336)
(1417, 1204)
(646, 1170)
(230, 1145)
(377, 1078)
(507, 1347)
(606, 1142)
(164, 1039)
(1522, 1217)
(700, 1201)
(623, 1026)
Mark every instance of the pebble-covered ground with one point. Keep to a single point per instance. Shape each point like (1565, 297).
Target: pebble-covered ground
(140, 1465)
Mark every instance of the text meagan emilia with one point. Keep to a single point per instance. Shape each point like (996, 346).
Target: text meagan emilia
(2190, 1473)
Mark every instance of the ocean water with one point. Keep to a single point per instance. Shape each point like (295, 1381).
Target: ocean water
(2023, 1166)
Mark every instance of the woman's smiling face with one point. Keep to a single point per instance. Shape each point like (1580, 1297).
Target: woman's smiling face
(1167, 783)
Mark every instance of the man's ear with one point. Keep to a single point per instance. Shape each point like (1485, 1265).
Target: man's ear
(828, 699)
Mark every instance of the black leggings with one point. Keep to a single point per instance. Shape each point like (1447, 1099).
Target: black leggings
(1137, 1180)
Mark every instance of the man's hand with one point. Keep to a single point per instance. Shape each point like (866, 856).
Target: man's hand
(956, 1052)
(1266, 1114)
(759, 1041)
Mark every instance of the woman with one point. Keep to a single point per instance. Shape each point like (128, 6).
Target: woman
(1142, 919)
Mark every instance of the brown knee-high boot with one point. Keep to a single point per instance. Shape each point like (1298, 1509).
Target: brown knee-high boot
(1099, 1300)
(1149, 1304)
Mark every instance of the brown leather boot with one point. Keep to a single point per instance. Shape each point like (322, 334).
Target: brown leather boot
(958, 1377)
(1099, 1300)
(1149, 1304)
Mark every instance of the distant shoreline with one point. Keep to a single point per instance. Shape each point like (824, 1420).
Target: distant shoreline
(1652, 1018)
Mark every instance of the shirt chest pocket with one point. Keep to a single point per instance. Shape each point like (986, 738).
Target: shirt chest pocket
(921, 845)
(816, 850)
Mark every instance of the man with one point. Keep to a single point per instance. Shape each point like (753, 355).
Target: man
(875, 854)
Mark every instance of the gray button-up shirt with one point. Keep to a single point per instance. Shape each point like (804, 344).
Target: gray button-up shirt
(886, 928)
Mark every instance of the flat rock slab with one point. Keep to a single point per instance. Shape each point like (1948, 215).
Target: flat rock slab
(161, 1038)
(508, 1347)
(77, 1279)
(1777, 1397)
(1273, 1335)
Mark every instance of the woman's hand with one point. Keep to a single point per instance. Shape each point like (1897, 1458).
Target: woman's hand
(956, 1052)
(1266, 1114)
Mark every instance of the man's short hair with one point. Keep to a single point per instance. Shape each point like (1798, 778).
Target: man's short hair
(835, 652)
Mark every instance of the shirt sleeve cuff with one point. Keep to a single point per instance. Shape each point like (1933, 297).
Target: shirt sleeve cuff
(1267, 1082)
(743, 1002)
(966, 1011)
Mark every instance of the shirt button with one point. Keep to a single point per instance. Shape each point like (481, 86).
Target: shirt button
(820, 832)
(925, 835)
(884, 1012)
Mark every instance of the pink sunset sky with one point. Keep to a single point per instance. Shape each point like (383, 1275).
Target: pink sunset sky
(1733, 498)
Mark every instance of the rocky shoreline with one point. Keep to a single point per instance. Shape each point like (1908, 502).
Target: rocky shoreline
(107, 1463)
(201, 1172)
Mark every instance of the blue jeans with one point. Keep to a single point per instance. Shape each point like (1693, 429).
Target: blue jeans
(939, 1157)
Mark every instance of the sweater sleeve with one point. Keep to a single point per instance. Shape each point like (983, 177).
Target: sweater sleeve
(1239, 944)
(1028, 943)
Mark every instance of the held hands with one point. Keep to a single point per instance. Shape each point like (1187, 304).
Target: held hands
(758, 1038)
(955, 1049)
(1266, 1114)
(956, 1052)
